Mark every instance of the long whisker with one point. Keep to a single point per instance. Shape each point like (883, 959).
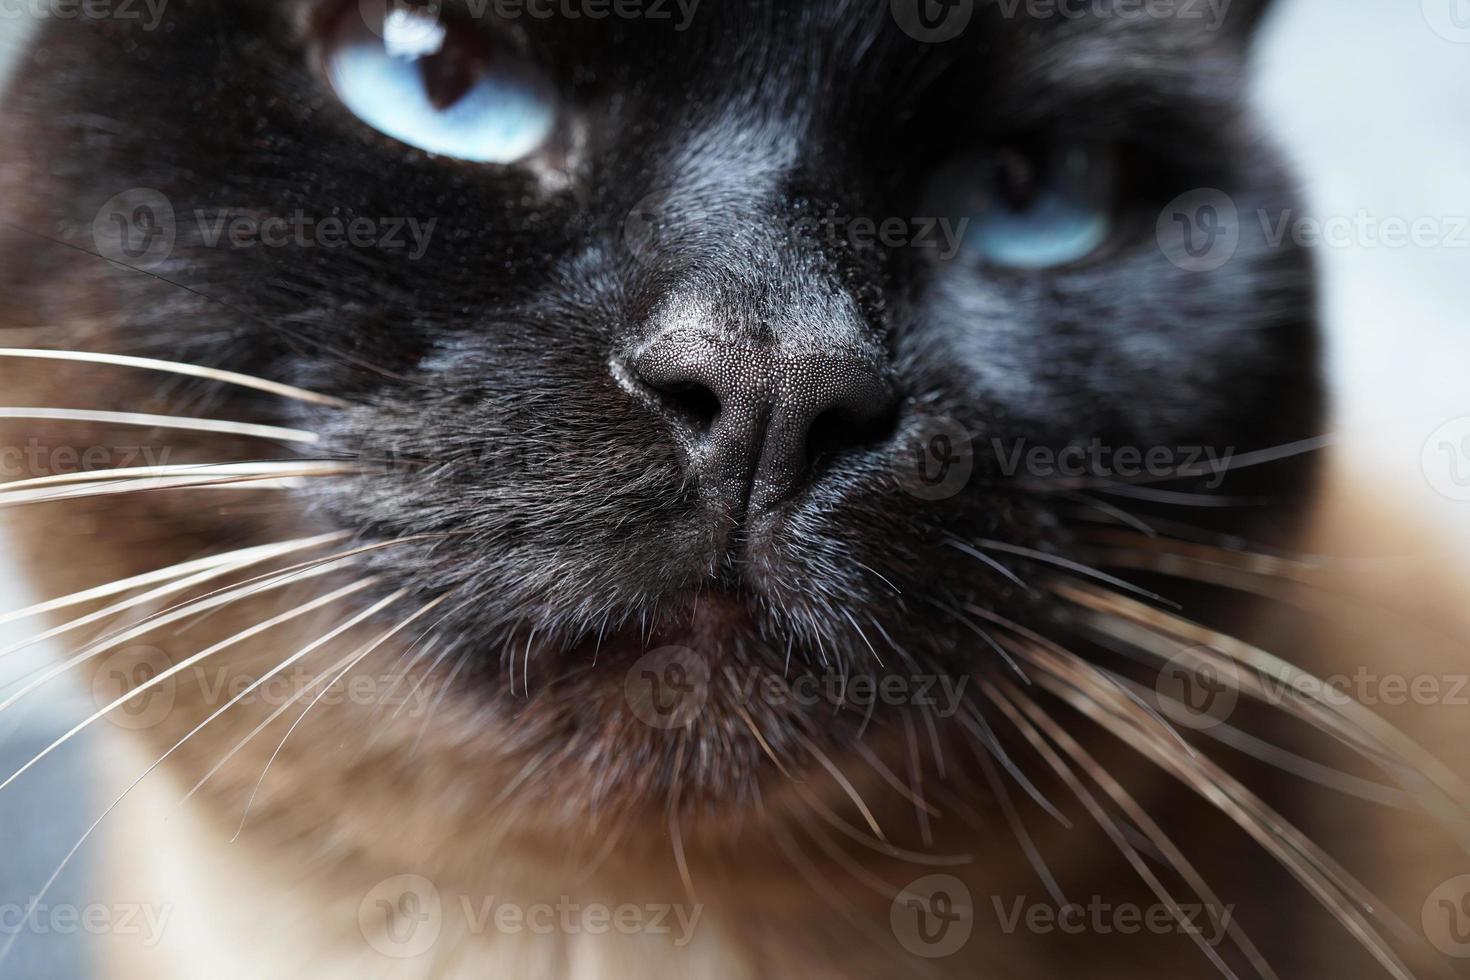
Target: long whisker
(1081, 685)
(1062, 652)
(889, 777)
(264, 679)
(328, 677)
(176, 367)
(984, 738)
(844, 782)
(423, 678)
(1140, 818)
(1115, 512)
(199, 603)
(858, 836)
(1238, 462)
(1274, 755)
(675, 826)
(966, 548)
(284, 480)
(1305, 584)
(1355, 724)
(224, 597)
(283, 468)
(1122, 546)
(1072, 566)
(1104, 820)
(183, 665)
(1179, 498)
(842, 858)
(833, 896)
(1018, 826)
(246, 556)
(187, 423)
(916, 780)
(261, 554)
(439, 697)
(367, 649)
(761, 739)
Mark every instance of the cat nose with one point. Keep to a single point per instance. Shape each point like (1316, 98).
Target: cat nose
(756, 421)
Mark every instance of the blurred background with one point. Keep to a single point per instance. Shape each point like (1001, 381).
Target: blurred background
(1370, 99)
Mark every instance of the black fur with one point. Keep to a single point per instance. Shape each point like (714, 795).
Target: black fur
(487, 371)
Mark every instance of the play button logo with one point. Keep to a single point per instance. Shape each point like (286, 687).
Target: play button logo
(1450, 19)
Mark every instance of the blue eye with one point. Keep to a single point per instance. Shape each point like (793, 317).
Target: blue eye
(1032, 211)
(441, 86)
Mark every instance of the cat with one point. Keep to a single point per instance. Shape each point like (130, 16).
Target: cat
(687, 484)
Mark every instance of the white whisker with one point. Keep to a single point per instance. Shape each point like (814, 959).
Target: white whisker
(187, 609)
(188, 662)
(362, 653)
(265, 678)
(171, 572)
(328, 677)
(262, 468)
(176, 367)
(223, 426)
(247, 557)
(104, 488)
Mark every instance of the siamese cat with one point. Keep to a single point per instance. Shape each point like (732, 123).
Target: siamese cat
(740, 488)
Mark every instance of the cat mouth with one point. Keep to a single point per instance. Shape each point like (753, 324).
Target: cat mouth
(707, 621)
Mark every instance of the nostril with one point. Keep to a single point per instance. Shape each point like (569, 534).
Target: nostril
(841, 428)
(693, 403)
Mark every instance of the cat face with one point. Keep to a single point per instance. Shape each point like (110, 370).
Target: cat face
(726, 339)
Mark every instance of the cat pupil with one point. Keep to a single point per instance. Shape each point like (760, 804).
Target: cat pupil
(1015, 179)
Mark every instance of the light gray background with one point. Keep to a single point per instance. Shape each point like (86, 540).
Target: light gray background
(1371, 103)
